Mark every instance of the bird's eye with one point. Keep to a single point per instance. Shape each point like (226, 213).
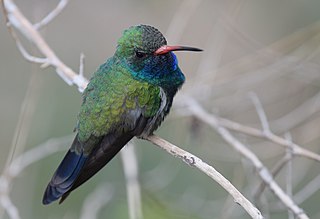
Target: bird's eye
(140, 54)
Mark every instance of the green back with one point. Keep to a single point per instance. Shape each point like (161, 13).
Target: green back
(110, 95)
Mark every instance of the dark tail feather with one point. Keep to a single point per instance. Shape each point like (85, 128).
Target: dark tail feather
(109, 147)
(65, 176)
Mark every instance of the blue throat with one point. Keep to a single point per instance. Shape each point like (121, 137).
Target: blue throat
(160, 70)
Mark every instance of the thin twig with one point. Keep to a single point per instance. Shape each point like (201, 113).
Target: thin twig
(16, 19)
(262, 115)
(27, 55)
(95, 201)
(24, 120)
(194, 161)
(289, 173)
(130, 168)
(7, 204)
(306, 192)
(275, 170)
(54, 13)
(81, 66)
(22, 162)
(298, 115)
(264, 174)
(268, 133)
(296, 149)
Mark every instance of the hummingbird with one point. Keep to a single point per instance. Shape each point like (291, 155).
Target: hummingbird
(129, 95)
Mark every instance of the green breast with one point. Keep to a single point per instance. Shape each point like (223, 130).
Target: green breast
(111, 94)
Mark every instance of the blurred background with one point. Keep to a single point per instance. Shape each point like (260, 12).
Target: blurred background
(267, 47)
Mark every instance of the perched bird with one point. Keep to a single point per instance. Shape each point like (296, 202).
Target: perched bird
(129, 95)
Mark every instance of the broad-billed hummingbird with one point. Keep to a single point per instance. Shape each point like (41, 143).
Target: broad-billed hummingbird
(129, 95)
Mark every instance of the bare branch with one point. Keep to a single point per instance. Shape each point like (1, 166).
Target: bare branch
(28, 56)
(17, 19)
(54, 13)
(262, 115)
(81, 67)
(130, 168)
(275, 170)
(264, 174)
(22, 162)
(194, 161)
(7, 204)
(296, 149)
(308, 108)
(289, 173)
(24, 120)
(289, 151)
(95, 201)
(306, 192)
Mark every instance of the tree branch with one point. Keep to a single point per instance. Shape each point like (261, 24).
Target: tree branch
(194, 161)
(131, 173)
(95, 201)
(54, 13)
(22, 162)
(296, 149)
(17, 20)
(263, 172)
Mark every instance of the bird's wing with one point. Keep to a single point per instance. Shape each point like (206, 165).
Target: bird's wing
(115, 109)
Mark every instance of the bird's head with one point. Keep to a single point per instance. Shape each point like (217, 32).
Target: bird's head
(145, 51)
